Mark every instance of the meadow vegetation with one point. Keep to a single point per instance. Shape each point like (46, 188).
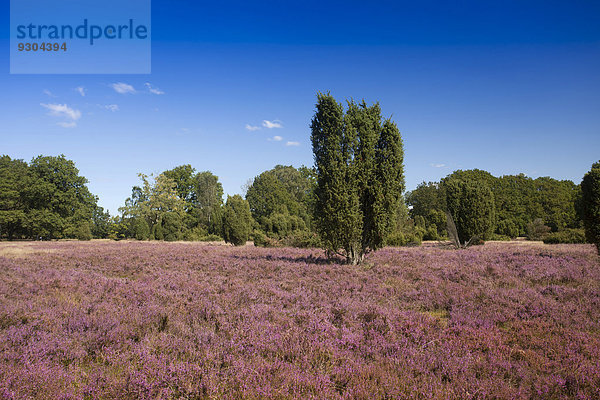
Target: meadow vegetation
(147, 320)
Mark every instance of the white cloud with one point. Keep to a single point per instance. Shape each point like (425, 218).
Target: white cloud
(122, 88)
(252, 128)
(62, 110)
(275, 139)
(153, 89)
(272, 124)
(112, 107)
(71, 124)
(292, 144)
(438, 165)
(48, 93)
(81, 90)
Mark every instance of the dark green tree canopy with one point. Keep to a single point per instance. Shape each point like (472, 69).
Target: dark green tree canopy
(237, 220)
(518, 200)
(47, 198)
(359, 169)
(471, 204)
(590, 204)
(13, 206)
(280, 199)
(180, 204)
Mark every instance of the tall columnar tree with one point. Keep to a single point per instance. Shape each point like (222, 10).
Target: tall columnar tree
(471, 205)
(237, 220)
(590, 205)
(360, 180)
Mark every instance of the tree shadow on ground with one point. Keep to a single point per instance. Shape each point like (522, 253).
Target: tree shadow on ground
(310, 259)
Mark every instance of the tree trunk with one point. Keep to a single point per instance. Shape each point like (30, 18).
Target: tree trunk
(354, 256)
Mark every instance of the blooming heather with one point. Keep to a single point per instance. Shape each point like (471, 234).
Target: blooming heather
(139, 320)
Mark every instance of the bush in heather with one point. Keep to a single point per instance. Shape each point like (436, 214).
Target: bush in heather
(565, 236)
(536, 230)
(173, 227)
(507, 227)
(500, 238)
(237, 221)
(590, 204)
(471, 205)
(140, 229)
(83, 231)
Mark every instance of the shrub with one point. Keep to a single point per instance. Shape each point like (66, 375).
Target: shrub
(471, 205)
(261, 240)
(211, 237)
(140, 229)
(237, 221)
(398, 238)
(507, 227)
(172, 225)
(431, 233)
(302, 239)
(566, 236)
(536, 230)
(498, 237)
(200, 234)
(83, 232)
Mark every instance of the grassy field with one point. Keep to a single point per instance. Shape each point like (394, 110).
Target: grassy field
(140, 320)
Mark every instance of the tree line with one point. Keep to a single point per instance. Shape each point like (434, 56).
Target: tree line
(350, 202)
(514, 205)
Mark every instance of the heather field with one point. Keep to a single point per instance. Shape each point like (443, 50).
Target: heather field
(139, 320)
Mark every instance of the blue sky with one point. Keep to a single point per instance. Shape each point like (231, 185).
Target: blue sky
(508, 87)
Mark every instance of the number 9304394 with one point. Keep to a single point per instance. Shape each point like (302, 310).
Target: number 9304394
(44, 46)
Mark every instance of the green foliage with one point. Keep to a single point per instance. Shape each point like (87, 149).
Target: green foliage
(516, 197)
(280, 199)
(46, 199)
(359, 169)
(207, 202)
(172, 226)
(508, 228)
(557, 200)
(262, 240)
(140, 229)
(100, 223)
(471, 204)
(157, 232)
(565, 236)
(536, 230)
(590, 205)
(83, 232)
(179, 205)
(426, 197)
(237, 220)
(13, 208)
(398, 238)
(159, 205)
(499, 237)
(119, 229)
(302, 239)
(201, 196)
(200, 234)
